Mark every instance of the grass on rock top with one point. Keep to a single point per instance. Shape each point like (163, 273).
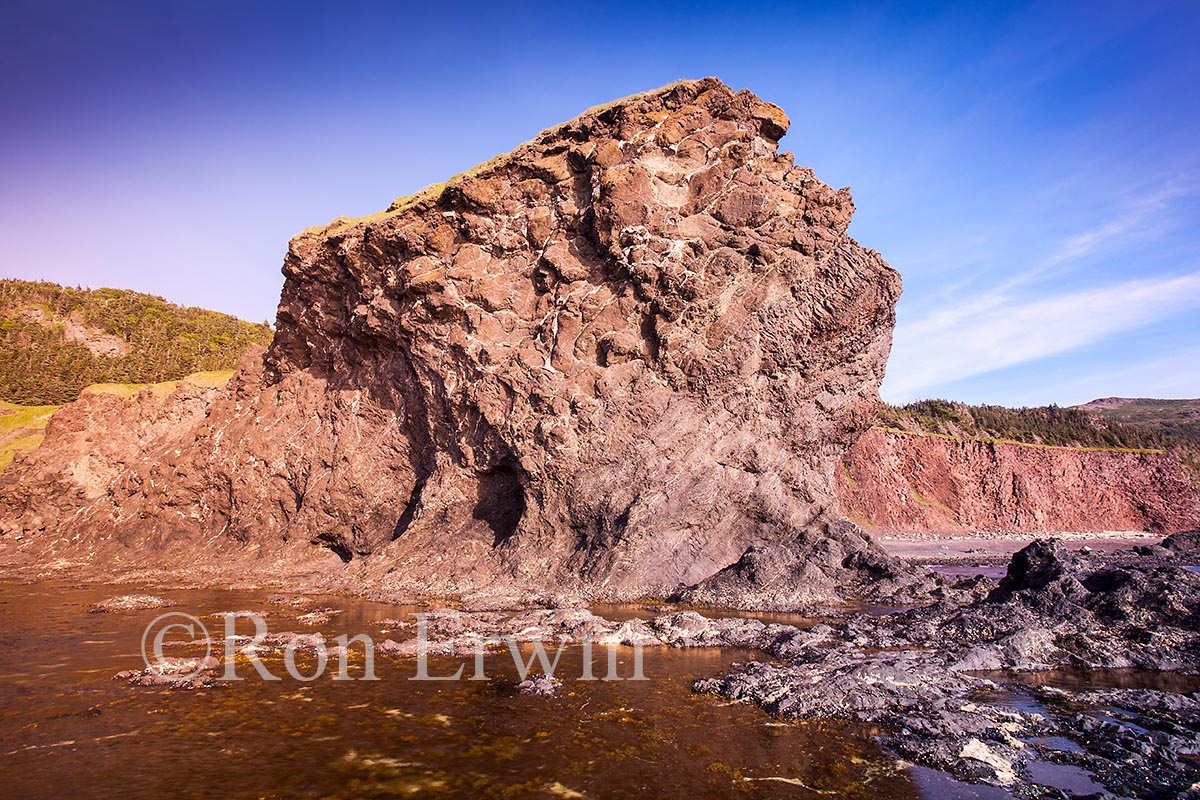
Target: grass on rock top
(1046, 426)
(985, 440)
(21, 426)
(21, 429)
(402, 204)
(213, 379)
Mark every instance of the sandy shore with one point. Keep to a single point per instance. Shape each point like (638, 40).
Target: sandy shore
(996, 548)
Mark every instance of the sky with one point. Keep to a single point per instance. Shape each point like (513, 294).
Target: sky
(1032, 170)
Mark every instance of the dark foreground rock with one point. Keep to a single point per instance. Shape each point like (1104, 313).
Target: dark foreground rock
(829, 560)
(1185, 544)
(935, 679)
(541, 684)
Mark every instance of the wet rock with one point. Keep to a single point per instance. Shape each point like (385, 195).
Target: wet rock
(317, 617)
(298, 601)
(131, 602)
(1137, 742)
(927, 708)
(978, 751)
(1184, 545)
(631, 633)
(174, 673)
(911, 673)
(393, 623)
(1029, 649)
(540, 684)
(1056, 607)
(1044, 572)
(691, 629)
(834, 560)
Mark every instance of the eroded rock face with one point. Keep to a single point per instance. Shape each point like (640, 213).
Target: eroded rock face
(91, 446)
(896, 482)
(615, 361)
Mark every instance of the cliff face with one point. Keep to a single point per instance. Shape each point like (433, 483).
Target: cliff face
(620, 360)
(908, 483)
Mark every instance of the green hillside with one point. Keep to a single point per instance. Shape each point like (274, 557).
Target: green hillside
(55, 340)
(1047, 425)
(1177, 419)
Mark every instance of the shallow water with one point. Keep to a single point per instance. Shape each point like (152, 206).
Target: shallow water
(68, 729)
(1082, 680)
(623, 611)
(934, 784)
(1067, 778)
(965, 571)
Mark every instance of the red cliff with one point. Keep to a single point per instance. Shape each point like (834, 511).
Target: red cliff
(898, 482)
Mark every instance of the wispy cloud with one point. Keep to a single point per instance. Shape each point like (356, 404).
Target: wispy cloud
(997, 331)
(1032, 313)
(1146, 217)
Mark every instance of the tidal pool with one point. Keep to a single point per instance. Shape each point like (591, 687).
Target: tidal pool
(67, 729)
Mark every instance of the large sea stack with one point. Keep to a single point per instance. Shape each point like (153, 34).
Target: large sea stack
(621, 361)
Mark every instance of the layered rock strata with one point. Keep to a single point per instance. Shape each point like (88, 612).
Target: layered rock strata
(899, 482)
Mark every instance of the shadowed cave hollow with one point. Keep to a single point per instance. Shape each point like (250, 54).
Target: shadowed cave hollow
(500, 502)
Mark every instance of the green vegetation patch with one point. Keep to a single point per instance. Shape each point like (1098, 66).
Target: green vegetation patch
(10, 448)
(213, 379)
(45, 358)
(1178, 420)
(14, 418)
(21, 429)
(128, 391)
(1044, 426)
(988, 440)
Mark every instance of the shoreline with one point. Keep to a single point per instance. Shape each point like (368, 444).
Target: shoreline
(937, 684)
(928, 550)
(994, 549)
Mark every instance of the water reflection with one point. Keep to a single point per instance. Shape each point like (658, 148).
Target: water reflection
(66, 728)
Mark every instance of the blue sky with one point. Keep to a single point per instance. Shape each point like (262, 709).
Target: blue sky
(1032, 170)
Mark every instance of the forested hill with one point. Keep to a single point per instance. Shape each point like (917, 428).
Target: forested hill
(1047, 425)
(55, 340)
(1179, 419)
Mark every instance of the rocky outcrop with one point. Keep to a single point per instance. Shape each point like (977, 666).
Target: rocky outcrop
(1184, 543)
(899, 482)
(938, 679)
(616, 361)
(98, 342)
(89, 446)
